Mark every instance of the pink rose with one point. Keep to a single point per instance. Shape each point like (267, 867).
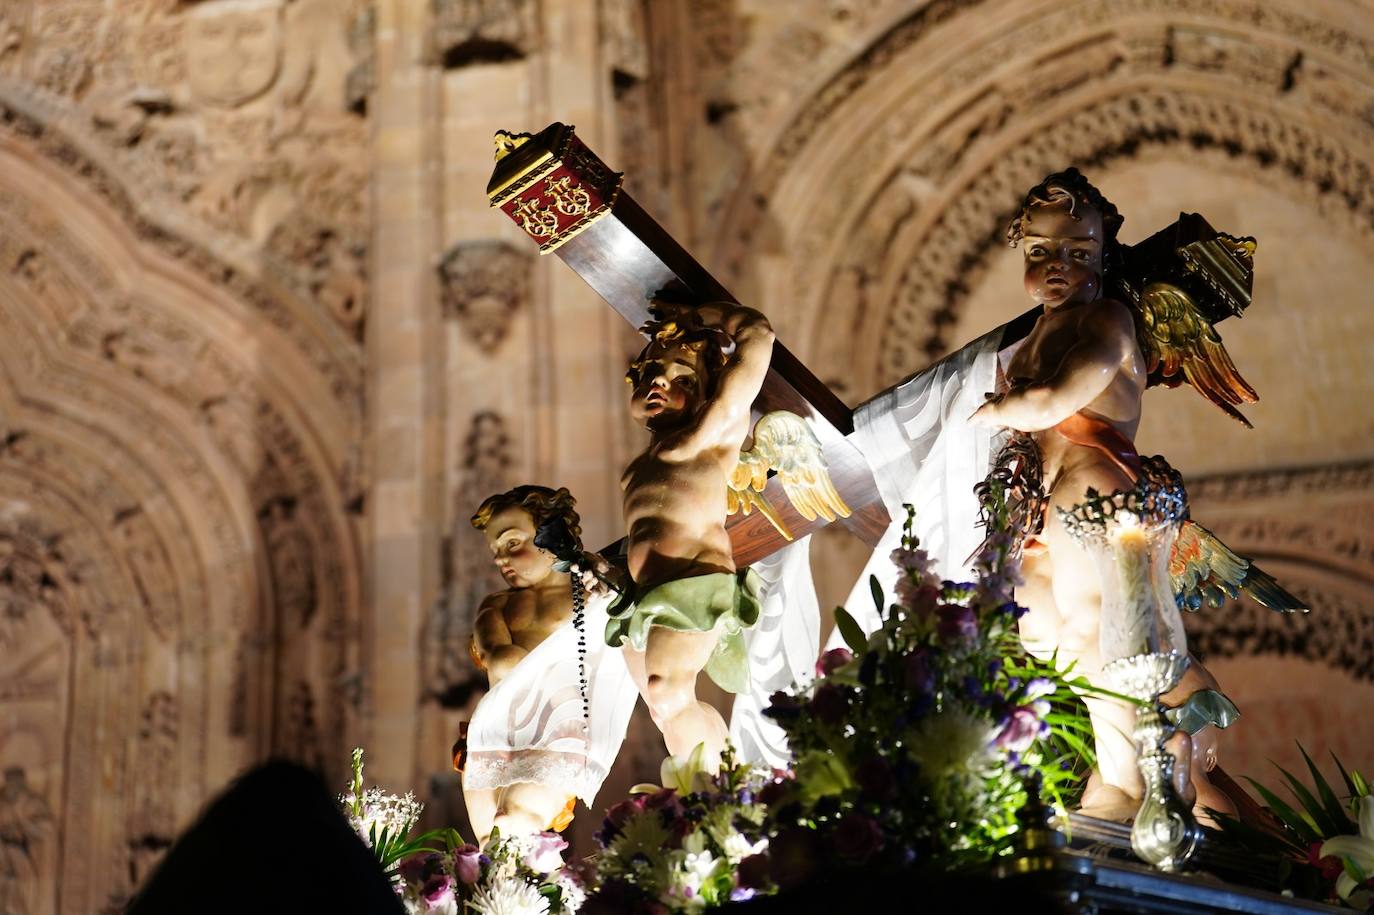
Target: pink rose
(832, 661)
(438, 891)
(546, 852)
(467, 863)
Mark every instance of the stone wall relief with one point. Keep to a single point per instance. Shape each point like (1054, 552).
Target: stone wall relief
(484, 285)
(153, 822)
(483, 31)
(27, 830)
(469, 575)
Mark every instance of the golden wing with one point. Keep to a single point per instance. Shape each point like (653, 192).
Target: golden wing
(785, 444)
(1180, 344)
(1202, 569)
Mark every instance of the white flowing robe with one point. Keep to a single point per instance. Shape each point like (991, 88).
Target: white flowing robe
(531, 726)
(924, 452)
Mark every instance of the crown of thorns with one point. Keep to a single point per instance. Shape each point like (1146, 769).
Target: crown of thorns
(685, 332)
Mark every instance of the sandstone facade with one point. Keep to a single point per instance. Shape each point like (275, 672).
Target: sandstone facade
(263, 346)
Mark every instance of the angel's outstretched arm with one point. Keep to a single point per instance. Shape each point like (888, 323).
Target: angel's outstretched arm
(1105, 338)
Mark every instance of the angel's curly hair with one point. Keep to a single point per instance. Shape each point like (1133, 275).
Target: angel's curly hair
(539, 502)
(1068, 189)
(684, 332)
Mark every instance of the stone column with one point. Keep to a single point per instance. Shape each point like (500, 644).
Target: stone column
(404, 402)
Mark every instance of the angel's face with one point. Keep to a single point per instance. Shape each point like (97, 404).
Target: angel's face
(1063, 254)
(510, 534)
(669, 388)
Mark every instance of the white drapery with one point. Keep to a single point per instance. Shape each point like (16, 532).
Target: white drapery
(530, 727)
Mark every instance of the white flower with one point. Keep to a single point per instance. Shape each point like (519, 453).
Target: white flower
(388, 812)
(509, 897)
(737, 847)
(951, 740)
(1355, 850)
(687, 871)
(686, 773)
(571, 891)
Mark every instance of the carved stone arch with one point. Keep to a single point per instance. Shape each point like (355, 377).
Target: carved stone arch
(288, 285)
(163, 439)
(890, 185)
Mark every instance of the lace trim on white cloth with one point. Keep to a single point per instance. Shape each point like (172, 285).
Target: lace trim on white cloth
(570, 773)
(530, 727)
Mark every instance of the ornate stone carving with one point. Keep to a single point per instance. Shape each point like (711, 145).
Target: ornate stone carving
(298, 733)
(26, 825)
(35, 574)
(362, 77)
(151, 568)
(152, 814)
(483, 284)
(334, 267)
(292, 558)
(470, 574)
(474, 31)
(233, 52)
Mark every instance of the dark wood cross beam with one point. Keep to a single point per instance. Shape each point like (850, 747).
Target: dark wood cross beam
(571, 203)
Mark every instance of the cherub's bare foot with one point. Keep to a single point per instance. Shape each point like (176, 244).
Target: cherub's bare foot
(1107, 802)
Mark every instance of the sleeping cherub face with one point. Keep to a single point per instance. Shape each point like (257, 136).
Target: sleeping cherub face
(668, 388)
(1063, 254)
(510, 534)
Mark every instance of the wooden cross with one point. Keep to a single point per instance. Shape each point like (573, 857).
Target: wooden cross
(567, 200)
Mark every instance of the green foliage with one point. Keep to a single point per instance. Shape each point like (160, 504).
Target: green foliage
(1297, 830)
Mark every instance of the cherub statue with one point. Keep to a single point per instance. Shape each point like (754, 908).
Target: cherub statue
(693, 386)
(1074, 387)
(553, 721)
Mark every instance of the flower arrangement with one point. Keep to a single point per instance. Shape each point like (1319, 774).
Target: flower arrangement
(436, 872)
(384, 822)
(1326, 845)
(519, 875)
(913, 747)
(694, 843)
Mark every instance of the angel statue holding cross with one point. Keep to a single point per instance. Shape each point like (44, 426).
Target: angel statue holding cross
(1073, 392)
(688, 605)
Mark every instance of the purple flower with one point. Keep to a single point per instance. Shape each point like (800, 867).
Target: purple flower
(1019, 730)
(957, 623)
(545, 854)
(829, 704)
(914, 561)
(858, 837)
(617, 817)
(919, 675)
(438, 891)
(832, 661)
(1040, 686)
(417, 868)
(467, 863)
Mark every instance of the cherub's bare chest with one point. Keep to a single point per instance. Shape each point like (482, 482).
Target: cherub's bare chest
(1042, 352)
(531, 613)
(655, 478)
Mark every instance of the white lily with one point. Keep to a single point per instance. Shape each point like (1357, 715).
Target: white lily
(686, 773)
(1355, 851)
